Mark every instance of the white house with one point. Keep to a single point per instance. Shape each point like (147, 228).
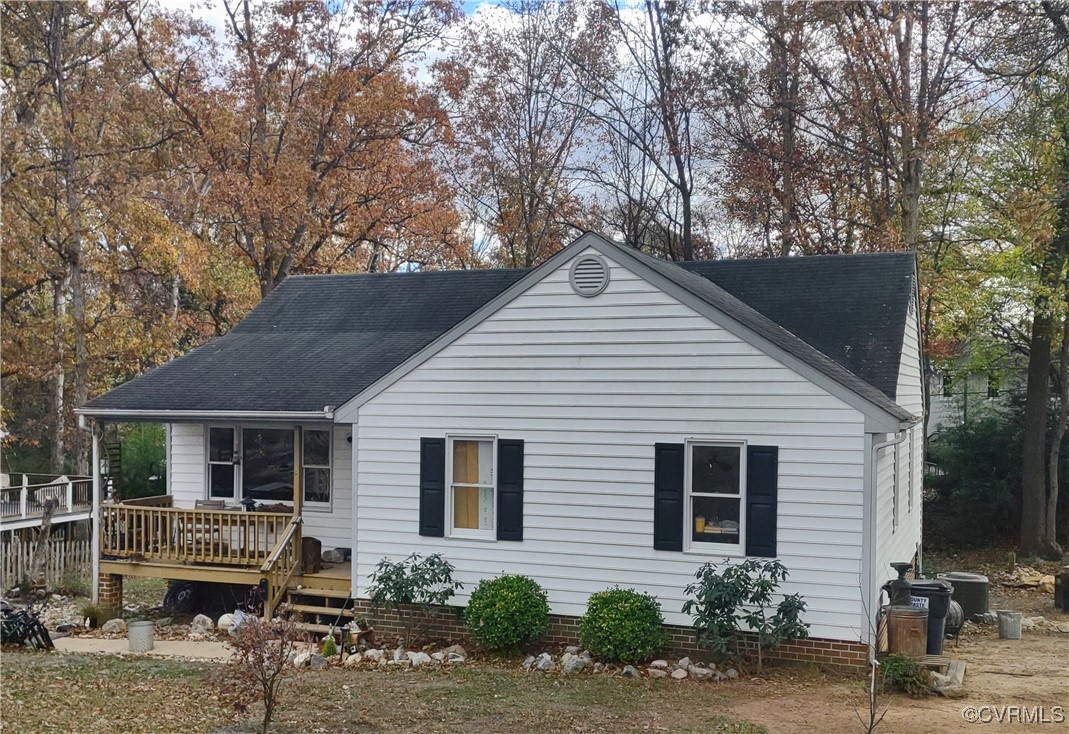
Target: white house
(605, 418)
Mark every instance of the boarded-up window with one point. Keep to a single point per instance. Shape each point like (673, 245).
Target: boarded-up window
(472, 486)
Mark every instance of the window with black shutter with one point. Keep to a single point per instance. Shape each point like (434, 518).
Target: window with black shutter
(716, 496)
(472, 487)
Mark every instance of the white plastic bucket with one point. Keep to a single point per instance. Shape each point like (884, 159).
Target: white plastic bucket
(139, 636)
(1009, 624)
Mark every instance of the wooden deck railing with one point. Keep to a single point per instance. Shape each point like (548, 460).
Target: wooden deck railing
(281, 566)
(147, 532)
(70, 494)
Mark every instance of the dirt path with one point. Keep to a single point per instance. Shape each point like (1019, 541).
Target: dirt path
(1030, 672)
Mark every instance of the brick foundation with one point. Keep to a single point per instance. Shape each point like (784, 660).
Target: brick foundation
(110, 597)
(833, 655)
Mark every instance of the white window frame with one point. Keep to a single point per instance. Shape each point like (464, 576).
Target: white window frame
(327, 506)
(239, 476)
(689, 544)
(470, 533)
(235, 461)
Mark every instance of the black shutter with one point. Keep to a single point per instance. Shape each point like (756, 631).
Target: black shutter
(668, 496)
(509, 489)
(762, 479)
(432, 487)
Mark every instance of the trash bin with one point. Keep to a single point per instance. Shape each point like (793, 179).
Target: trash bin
(938, 594)
(139, 636)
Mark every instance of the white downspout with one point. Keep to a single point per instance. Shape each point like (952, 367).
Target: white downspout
(354, 502)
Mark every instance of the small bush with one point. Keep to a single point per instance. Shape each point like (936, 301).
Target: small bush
(906, 676)
(93, 613)
(414, 589)
(726, 604)
(622, 625)
(507, 612)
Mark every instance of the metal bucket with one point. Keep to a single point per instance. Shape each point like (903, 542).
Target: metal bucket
(139, 636)
(907, 631)
(1009, 624)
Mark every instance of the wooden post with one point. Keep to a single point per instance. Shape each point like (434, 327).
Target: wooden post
(24, 495)
(70, 495)
(95, 509)
(298, 470)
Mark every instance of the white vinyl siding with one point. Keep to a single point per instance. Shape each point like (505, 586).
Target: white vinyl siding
(899, 543)
(187, 475)
(590, 385)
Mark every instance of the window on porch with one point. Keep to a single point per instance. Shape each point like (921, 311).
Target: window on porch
(257, 463)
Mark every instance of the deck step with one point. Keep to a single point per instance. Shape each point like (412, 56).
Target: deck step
(310, 627)
(348, 612)
(316, 591)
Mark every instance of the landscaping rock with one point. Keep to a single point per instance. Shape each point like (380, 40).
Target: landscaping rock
(438, 656)
(317, 662)
(952, 691)
(574, 664)
(225, 623)
(698, 673)
(455, 651)
(683, 663)
(679, 673)
(545, 663)
(301, 659)
(419, 659)
(630, 671)
(202, 623)
(571, 650)
(114, 627)
(985, 618)
(732, 673)
(528, 662)
(659, 664)
(586, 654)
(353, 660)
(374, 654)
(196, 637)
(163, 622)
(657, 673)
(598, 667)
(398, 654)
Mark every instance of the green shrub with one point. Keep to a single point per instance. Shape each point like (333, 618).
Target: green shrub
(727, 604)
(906, 676)
(414, 589)
(622, 625)
(93, 613)
(507, 612)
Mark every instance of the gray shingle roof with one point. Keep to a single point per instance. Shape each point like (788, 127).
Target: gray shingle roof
(319, 341)
(850, 307)
(314, 341)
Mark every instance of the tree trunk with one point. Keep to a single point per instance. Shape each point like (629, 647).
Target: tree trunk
(59, 379)
(36, 573)
(1034, 541)
(1059, 435)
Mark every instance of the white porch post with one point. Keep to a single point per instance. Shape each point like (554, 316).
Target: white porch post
(354, 497)
(95, 510)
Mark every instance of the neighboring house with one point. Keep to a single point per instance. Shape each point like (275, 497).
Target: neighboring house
(605, 418)
(956, 395)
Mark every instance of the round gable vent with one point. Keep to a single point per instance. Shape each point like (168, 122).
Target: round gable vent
(589, 275)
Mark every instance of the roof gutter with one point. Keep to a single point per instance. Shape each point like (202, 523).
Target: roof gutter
(211, 415)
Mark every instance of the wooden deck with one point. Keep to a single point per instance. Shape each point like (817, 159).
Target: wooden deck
(150, 538)
(23, 506)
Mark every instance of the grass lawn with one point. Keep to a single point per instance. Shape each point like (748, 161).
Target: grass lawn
(50, 693)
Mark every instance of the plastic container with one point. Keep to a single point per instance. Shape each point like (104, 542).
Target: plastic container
(938, 594)
(139, 636)
(1009, 624)
(907, 631)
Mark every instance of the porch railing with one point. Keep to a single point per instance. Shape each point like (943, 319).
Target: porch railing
(151, 531)
(26, 501)
(280, 567)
